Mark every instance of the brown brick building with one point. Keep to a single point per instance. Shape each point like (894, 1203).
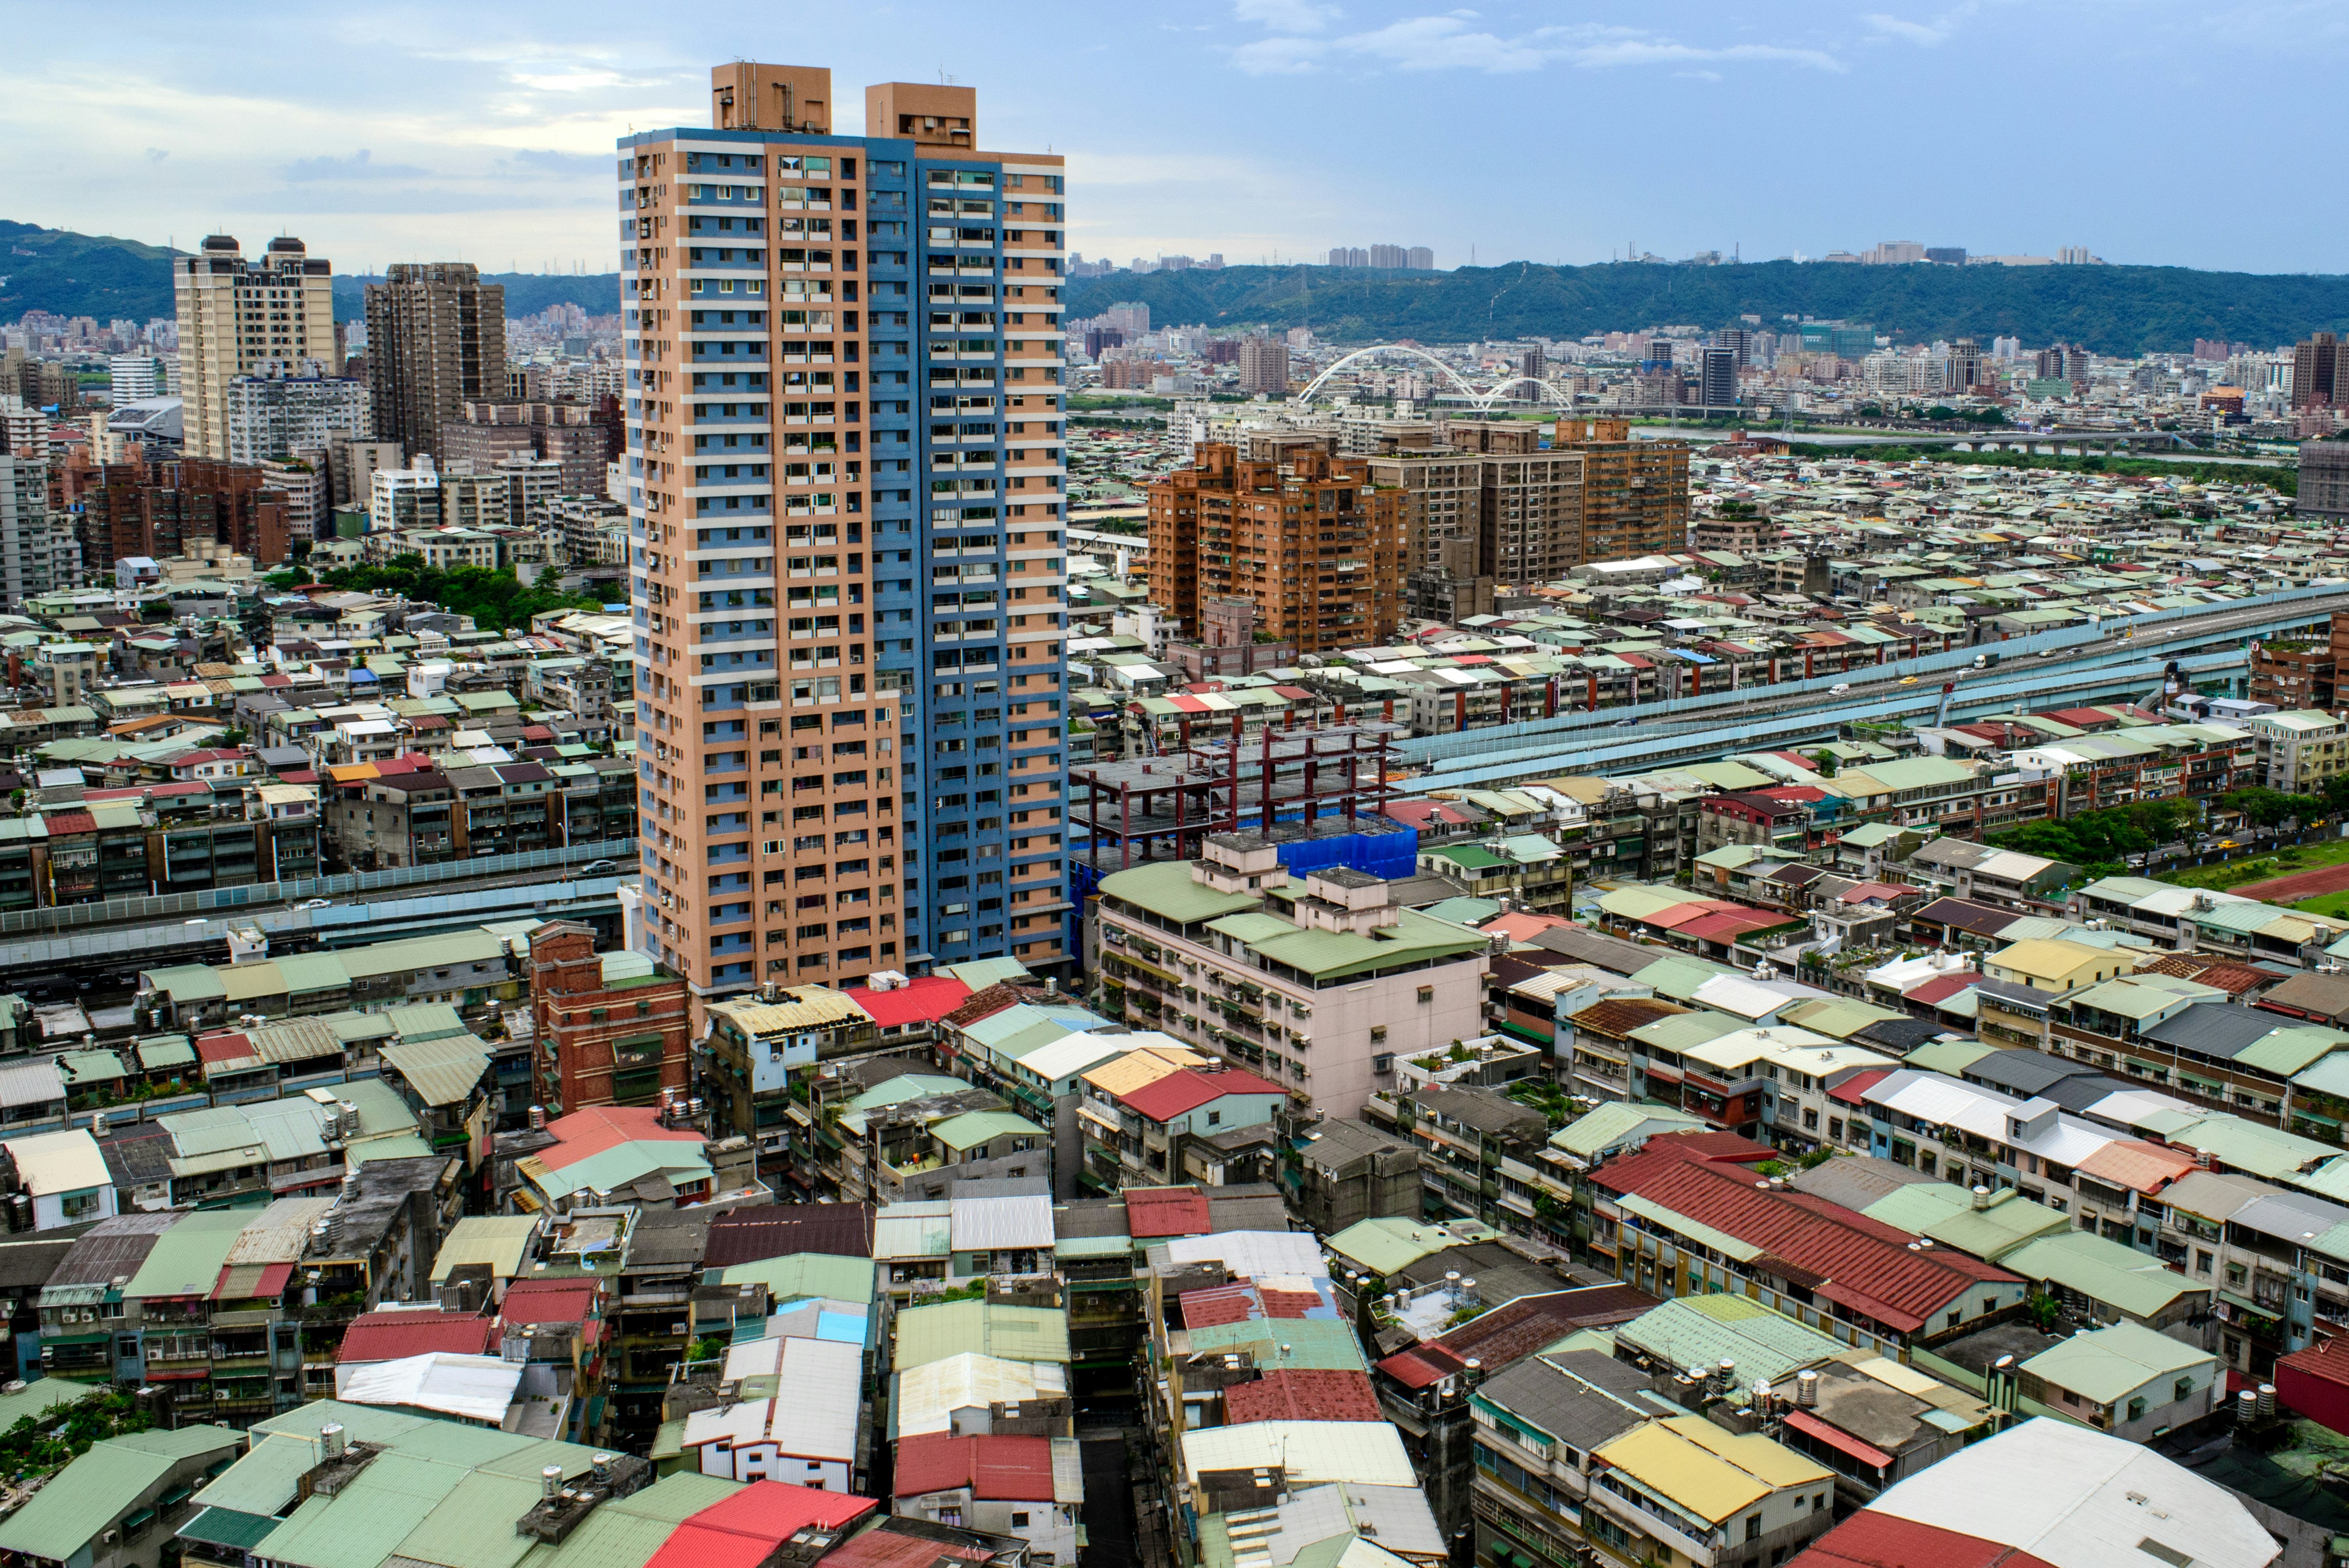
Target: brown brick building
(1635, 494)
(1310, 541)
(602, 1039)
(158, 509)
(2300, 672)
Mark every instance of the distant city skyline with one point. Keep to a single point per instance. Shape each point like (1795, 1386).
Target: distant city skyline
(441, 133)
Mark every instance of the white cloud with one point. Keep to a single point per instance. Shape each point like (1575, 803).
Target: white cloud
(1908, 32)
(1286, 16)
(1446, 42)
(1279, 57)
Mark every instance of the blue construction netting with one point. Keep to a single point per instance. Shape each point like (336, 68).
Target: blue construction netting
(1371, 844)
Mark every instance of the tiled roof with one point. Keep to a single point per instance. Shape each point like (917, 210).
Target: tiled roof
(925, 1000)
(1873, 1540)
(1165, 1099)
(1618, 1015)
(1842, 1255)
(1517, 1329)
(1154, 1211)
(778, 1229)
(1301, 1396)
(1010, 1469)
(388, 1335)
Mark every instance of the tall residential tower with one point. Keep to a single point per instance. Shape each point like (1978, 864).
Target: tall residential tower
(274, 316)
(436, 342)
(843, 455)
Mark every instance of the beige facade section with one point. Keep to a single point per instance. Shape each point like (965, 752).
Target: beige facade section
(273, 316)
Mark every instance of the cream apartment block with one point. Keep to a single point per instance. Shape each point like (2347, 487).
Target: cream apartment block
(246, 318)
(1320, 986)
(2298, 751)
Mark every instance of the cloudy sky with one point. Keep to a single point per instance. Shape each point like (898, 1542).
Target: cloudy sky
(2200, 134)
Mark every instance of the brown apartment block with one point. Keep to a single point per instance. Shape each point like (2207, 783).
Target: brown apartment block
(599, 1041)
(1312, 542)
(159, 508)
(583, 436)
(1635, 495)
(2300, 672)
(792, 830)
(436, 341)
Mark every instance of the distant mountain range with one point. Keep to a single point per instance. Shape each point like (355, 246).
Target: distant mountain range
(2111, 309)
(527, 294)
(104, 278)
(81, 275)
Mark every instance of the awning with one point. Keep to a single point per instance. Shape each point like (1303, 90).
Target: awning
(251, 1282)
(1152, 969)
(1866, 1454)
(228, 1527)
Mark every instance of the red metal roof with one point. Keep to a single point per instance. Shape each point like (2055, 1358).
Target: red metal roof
(881, 1547)
(549, 1301)
(921, 1001)
(1301, 1396)
(1854, 1090)
(763, 1514)
(1244, 1302)
(388, 1335)
(1872, 1540)
(1727, 927)
(218, 1049)
(1941, 987)
(1190, 1089)
(1838, 1439)
(1154, 1212)
(1012, 1470)
(603, 1127)
(1844, 1256)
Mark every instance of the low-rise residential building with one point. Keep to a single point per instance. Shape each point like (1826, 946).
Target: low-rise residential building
(2125, 1379)
(2298, 751)
(1319, 985)
(119, 1504)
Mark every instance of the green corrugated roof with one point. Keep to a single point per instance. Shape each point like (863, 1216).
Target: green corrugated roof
(187, 1259)
(1618, 1121)
(1707, 1329)
(1314, 1344)
(91, 1492)
(1164, 888)
(39, 1398)
(424, 1021)
(1685, 1031)
(803, 1275)
(442, 1071)
(1952, 1057)
(2105, 1272)
(1332, 954)
(2111, 1364)
(977, 1127)
(1385, 1246)
(227, 1527)
(928, 1334)
(2286, 1051)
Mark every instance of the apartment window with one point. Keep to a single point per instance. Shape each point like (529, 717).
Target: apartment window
(1427, 993)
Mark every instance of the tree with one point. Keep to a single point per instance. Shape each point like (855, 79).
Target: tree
(2101, 842)
(2272, 807)
(493, 596)
(1826, 760)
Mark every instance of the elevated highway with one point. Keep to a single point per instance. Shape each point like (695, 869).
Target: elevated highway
(2069, 668)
